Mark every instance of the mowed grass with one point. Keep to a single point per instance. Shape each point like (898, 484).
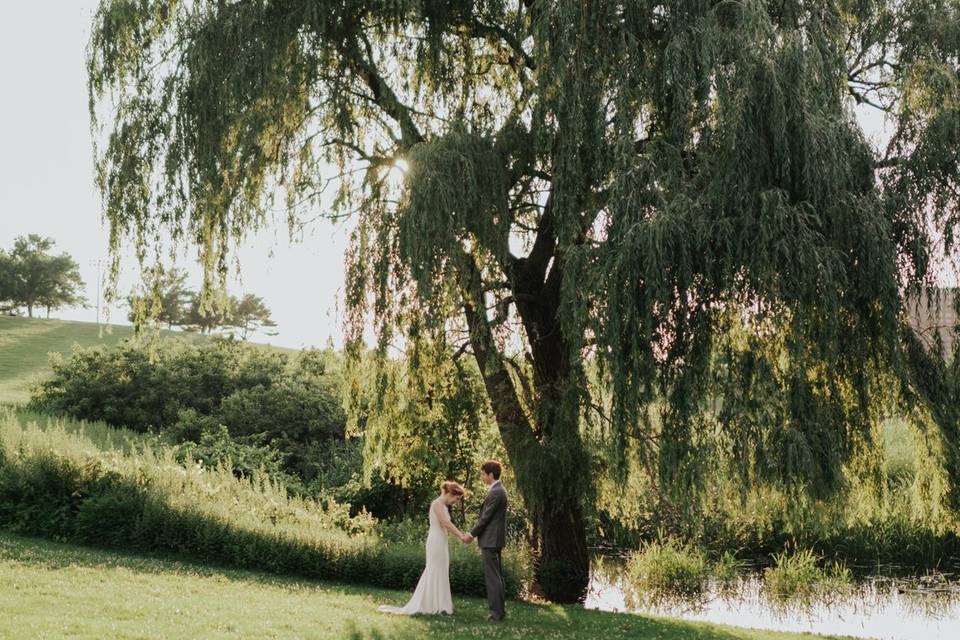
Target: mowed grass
(26, 342)
(25, 345)
(55, 590)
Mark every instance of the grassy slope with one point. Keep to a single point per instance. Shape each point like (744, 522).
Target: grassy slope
(56, 590)
(25, 344)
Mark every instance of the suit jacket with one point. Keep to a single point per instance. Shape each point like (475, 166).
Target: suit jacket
(491, 528)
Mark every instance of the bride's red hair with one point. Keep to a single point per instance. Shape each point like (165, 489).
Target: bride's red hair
(454, 488)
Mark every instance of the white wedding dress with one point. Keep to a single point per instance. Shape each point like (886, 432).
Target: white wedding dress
(433, 591)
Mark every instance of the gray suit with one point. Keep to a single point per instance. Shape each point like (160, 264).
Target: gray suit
(491, 534)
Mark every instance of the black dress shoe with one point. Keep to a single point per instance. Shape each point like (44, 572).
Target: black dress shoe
(492, 619)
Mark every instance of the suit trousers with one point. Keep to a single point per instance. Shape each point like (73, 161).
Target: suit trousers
(493, 578)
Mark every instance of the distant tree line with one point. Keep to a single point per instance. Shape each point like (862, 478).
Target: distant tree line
(169, 301)
(31, 277)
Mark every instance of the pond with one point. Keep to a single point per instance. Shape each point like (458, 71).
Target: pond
(879, 605)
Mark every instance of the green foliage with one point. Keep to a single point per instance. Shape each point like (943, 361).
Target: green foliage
(190, 392)
(30, 276)
(668, 570)
(662, 569)
(216, 447)
(227, 312)
(250, 313)
(58, 484)
(802, 576)
(7, 284)
(421, 418)
(166, 299)
(899, 517)
(902, 457)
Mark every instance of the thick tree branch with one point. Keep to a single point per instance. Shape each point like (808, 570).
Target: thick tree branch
(362, 64)
(532, 268)
(479, 29)
(512, 422)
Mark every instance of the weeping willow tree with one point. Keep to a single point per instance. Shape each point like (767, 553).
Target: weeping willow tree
(676, 194)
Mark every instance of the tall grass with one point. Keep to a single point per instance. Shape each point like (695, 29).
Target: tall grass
(667, 569)
(803, 576)
(89, 483)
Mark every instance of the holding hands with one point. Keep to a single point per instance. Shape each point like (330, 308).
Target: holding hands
(466, 538)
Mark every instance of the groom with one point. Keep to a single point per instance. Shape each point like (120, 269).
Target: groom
(490, 533)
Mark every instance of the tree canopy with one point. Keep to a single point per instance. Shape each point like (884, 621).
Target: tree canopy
(167, 299)
(677, 191)
(30, 276)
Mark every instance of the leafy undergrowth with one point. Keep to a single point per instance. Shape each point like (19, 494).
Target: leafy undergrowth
(91, 484)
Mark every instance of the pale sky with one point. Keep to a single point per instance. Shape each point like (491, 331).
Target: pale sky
(46, 181)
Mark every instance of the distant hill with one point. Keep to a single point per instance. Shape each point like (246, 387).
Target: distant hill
(25, 344)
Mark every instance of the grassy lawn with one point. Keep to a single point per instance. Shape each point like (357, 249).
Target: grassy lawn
(25, 343)
(56, 590)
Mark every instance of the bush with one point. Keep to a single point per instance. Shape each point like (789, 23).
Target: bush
(216, 447)
(186, 391)
(120, 386)
(289, 415)
(42, 498)
(110, 518)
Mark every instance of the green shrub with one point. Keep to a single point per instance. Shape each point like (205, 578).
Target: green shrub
(216, 447)
(667, 569)
(110, 518)
(187, 391)
(289, 414)
(332, 463)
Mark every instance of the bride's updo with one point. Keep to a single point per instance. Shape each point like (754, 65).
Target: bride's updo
(453, 488)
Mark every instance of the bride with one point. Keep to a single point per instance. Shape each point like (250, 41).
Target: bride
(433, 591)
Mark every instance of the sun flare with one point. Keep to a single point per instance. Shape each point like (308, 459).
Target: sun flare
(396, 173)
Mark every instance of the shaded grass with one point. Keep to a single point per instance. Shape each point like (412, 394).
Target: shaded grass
(56, 590)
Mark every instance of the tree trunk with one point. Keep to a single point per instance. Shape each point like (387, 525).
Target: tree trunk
(563, 565)
(547, 457)
(30, 309)
(556, 481)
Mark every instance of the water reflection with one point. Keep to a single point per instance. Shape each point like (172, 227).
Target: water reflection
(878, 606)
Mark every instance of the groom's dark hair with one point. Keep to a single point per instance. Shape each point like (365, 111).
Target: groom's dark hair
(492, 467)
